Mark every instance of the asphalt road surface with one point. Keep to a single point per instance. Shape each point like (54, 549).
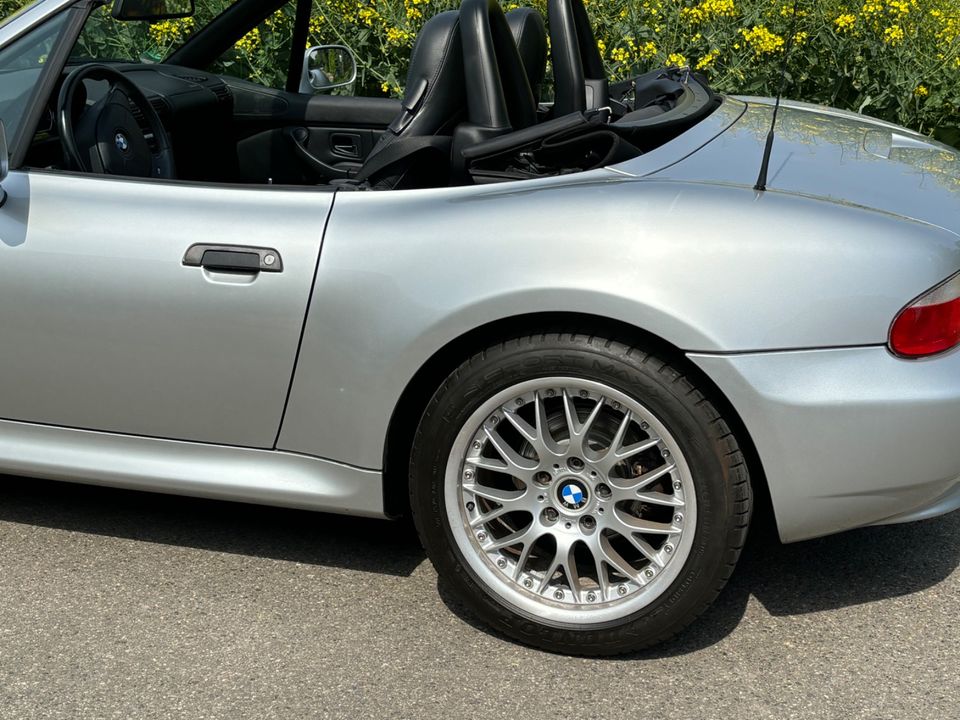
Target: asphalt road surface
(118, 604)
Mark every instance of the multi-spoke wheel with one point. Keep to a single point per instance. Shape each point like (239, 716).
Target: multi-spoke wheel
(579, 494)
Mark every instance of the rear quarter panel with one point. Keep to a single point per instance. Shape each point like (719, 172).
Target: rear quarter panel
(708, 268)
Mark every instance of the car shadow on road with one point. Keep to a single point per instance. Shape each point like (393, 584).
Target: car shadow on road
(312, 538)
(853, 568)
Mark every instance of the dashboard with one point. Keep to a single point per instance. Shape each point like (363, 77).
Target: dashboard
(195, 107)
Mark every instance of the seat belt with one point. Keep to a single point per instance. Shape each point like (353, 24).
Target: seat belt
(400, 149)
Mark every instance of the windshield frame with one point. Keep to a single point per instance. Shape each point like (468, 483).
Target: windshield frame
(27, 20)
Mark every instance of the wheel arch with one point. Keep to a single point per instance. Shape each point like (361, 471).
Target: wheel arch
(418, 391)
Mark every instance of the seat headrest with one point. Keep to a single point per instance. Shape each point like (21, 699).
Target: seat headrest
(434, 94)
(498, 92)
(577, 64)
(530, 34)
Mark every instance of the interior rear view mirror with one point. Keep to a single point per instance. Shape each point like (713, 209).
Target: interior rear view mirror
(326, 67)
(152, 10)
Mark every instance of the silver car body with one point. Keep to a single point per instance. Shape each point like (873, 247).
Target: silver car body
(121, 366)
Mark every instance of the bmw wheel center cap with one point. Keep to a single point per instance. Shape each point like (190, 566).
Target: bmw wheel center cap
(573, 494)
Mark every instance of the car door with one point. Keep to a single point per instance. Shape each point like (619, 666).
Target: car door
(339, 131)
(106, 325)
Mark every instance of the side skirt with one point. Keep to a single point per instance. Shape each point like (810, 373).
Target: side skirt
(266, 477)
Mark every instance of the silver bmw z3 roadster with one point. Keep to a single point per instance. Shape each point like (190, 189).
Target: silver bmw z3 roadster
(573, 339)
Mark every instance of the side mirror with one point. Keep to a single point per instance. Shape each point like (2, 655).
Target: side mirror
(4, 163)
(326, 67)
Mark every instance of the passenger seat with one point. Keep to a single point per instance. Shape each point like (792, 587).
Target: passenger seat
(530, 34)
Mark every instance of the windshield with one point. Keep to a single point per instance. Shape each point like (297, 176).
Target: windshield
(105, 39)
(21, 63)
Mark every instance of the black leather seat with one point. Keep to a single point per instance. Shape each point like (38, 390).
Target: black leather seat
(434, 102)
(530, 34)
(499, 98)
(579, 76)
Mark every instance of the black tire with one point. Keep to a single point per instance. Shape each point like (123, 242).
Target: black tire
(722, 486)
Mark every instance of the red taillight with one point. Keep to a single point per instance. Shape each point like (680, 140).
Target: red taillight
(929, 325)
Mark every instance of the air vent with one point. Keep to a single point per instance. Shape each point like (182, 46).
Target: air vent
(145, 126)
(160, 106)
(199, 80)
(223, 93)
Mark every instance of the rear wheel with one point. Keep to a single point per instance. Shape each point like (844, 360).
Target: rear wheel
(578, 494)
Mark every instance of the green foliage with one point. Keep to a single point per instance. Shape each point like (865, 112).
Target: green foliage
(895, 59)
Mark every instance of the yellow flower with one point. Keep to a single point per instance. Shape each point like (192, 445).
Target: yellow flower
(170, 32)
(707, 61)
(922, 91)
(762, 40)
(249, 42)
(676, 60)
(893, 35)
(647, 51)
(396, 36)
(845, 21)
(708, 10)
(620, 55)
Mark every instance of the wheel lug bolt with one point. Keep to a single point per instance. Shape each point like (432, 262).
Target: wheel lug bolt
(668, 549)
(575, 464)
(543, 478)
(616, 406)
(470, 507)
(591, 597)
(666, 453)
(644, 426)
(603, 490)
(519, 401)
(501, 563)
(477, 445)
(551, 514)
(527, 583)
(588, 522)
(648, 573)
(584, 393)
(678, 518)
(558, 594)
(481, 536)
(494, 420)
(468, 474)
(622, 590)
(677, 485)
(550, 393)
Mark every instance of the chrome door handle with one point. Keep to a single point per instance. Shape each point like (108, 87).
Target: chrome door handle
(233, 258)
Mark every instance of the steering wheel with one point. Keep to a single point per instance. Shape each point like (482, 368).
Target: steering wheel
(105, 137)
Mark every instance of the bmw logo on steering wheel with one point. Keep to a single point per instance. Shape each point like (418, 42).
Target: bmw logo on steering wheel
(120, 140)
(573, 495)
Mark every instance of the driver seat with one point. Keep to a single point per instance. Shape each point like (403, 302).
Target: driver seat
(415, 149)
